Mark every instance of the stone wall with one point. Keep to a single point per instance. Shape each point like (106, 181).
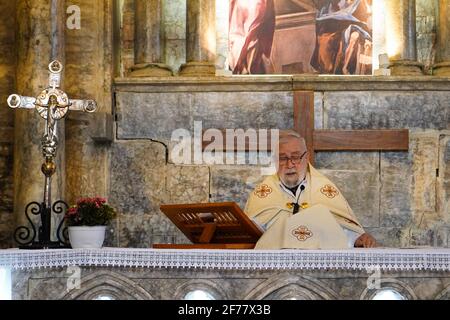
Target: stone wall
(7, 86)
(405, 200)
(400, 197)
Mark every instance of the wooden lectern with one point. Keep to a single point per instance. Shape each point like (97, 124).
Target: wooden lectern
(212, 226)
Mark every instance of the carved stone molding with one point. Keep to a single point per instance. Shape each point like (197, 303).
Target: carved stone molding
(393, 284)
(110, 284)
(444, 294)
(211, 287)
(290, 286)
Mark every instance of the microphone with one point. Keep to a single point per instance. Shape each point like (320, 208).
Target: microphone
(296, 205)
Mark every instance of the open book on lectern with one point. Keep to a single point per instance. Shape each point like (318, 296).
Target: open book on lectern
(212, 226)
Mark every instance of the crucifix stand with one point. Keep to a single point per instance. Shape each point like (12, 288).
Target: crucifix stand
(52, 105)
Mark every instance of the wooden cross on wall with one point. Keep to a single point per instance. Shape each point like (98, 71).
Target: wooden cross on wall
(336, 140)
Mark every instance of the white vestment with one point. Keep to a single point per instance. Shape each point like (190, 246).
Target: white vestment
(324, 221)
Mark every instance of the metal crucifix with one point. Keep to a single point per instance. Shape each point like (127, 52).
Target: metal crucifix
(52, 105)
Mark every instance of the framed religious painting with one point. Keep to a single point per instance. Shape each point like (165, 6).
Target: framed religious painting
(300, 37)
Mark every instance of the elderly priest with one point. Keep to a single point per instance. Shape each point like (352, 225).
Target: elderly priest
(300, 208)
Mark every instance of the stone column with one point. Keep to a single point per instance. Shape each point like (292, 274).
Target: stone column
(88, 136)
(87, 157)
(442, 66)
(401, 24)
(200, 38)
(7, 86)
(34, 46)
(148, 48)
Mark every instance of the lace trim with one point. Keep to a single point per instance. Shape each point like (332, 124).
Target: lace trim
(356, 259)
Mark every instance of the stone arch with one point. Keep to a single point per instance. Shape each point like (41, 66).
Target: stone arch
(393, 284)
(444, 294)
(209, 286)
(291, 287)
(110, 284)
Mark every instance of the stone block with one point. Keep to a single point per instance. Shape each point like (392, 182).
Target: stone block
(386, 110)
(102, 127)
(318, 110)
(396, 189)
(136, 231)
(424, 150)
(443, 181)
(389, 237)
(244, 110)
(143, 230)
(357, 175)
(360, 161)
(138, 174)
(431, 236)
(234, 183)
(153, 116)
(187, 184)
(362, 191)
(156, 115)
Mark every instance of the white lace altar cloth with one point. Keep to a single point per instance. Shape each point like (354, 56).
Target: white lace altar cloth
(352, 259)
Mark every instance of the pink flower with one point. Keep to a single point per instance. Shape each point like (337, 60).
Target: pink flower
(100, 200)
(72, 211)
(82, 200)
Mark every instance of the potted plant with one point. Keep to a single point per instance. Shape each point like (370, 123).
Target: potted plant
(87, 221)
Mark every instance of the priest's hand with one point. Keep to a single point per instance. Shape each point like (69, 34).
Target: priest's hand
(365, 241)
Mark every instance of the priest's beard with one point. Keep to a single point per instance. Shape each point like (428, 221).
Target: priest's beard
(291, 181)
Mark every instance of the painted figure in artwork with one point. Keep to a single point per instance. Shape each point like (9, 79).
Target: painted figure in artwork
(343, 37)
(251, 31)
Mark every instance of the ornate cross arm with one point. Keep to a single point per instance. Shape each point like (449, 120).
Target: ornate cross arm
(89, 106)
(16, 101)
(52, 101)
(52, 105)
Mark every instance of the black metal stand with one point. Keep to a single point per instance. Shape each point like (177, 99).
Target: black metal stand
(29, 239)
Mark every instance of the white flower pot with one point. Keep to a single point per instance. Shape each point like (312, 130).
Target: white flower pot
(87, 237)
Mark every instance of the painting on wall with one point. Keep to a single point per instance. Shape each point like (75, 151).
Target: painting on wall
(300, 36)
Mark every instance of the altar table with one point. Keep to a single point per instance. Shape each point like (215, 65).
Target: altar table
(124, 273)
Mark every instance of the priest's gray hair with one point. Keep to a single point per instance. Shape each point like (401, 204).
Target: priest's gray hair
(286, 135)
